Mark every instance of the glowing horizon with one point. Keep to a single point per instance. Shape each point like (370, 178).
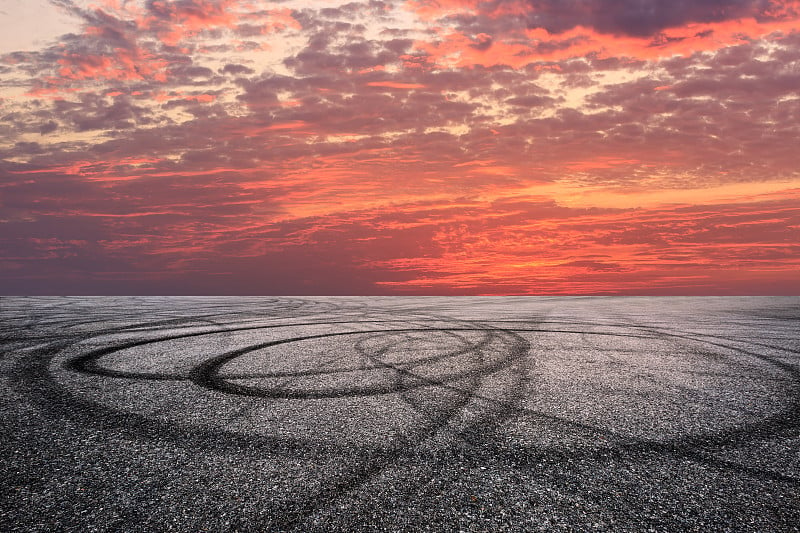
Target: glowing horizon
(400, 147)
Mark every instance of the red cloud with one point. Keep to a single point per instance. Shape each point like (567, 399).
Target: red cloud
(174, 21)
(122, 65)
(520, 47)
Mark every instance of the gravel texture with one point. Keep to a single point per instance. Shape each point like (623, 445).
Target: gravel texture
(400, 414)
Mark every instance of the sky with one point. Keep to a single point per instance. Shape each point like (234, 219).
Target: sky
(400, 147)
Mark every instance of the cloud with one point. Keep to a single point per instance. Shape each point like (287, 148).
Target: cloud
(521, 32)
(634, 17)
(458, 146)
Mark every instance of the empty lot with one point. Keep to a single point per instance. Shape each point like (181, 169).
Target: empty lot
(400, 413)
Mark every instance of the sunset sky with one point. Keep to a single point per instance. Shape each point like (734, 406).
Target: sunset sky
(400, 147)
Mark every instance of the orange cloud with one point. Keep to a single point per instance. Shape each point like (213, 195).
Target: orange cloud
(654, 251)
(396, 85)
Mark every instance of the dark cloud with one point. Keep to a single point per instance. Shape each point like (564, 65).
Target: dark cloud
(236, 70)
(636, 17)
(530, 101)
(93, 113)
(495, 19)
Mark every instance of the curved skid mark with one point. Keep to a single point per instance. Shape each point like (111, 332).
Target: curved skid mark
(201, 375)
(207, 374)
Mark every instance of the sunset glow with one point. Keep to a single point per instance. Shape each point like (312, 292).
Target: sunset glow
(401, 147)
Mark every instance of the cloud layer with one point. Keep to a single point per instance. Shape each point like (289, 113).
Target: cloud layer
(380, 147)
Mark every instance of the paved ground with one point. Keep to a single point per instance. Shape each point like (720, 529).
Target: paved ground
(442, 414)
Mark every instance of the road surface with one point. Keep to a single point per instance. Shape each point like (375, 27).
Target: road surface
(400, 414)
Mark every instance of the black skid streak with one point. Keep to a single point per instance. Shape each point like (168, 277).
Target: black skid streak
(541, 414)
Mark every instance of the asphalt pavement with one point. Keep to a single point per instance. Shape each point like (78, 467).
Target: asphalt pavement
(400, 414)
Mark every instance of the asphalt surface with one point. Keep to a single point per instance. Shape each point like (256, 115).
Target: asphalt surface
(400, 414)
